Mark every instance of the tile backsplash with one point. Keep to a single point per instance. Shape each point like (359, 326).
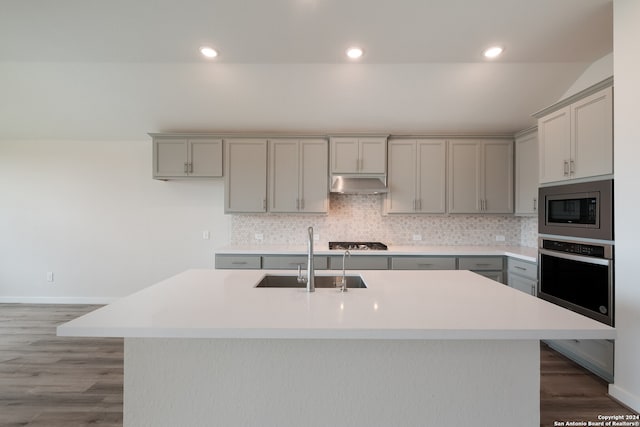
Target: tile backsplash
(359, 218)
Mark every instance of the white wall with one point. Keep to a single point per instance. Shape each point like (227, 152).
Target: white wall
(627, 202)
(90, 212)
(596, 72)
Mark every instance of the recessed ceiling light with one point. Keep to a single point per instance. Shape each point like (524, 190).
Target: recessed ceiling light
(209, 52)
(493, 52)
(354, 52)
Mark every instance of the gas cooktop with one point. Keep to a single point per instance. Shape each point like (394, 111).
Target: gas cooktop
(361, 246)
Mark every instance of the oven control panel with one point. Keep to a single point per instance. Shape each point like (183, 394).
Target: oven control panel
(597, 251)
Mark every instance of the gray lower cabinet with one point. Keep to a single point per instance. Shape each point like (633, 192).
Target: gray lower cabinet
(522, 284)
(488, 266)
(522, 275)
(360, 262)
(247, 262)
(423, 263)
(498, 276)
(291, 262)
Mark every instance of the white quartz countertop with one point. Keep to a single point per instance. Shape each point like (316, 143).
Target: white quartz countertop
(396, 305)
(520, 252)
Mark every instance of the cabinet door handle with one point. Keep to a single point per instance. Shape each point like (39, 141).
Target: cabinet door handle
(535, 204)
(264, 204)
(572, 167)
(301, 203)
(533, 290)
(186, 167)
(566, 168)
(419, 204)
(297, 204)
(191, 167)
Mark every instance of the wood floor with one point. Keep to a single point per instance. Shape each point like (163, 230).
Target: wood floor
(53, 381)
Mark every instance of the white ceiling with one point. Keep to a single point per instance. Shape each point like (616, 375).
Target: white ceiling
(117, 69)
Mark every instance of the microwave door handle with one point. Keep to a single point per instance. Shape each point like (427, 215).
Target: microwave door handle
(579, 258)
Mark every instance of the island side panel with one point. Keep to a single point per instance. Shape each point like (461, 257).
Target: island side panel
(255, 382)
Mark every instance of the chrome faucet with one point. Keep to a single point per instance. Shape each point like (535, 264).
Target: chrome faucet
(310, 279)
(343, 284)
(311, 274)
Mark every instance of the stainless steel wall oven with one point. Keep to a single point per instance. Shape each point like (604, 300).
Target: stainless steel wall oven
(576, 252)
(578, 276)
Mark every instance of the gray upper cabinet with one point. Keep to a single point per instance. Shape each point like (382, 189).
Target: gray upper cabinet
(298, 171)
(480, 176)
(182, 156)
(526, 171)
(245, 182)
(351, 155)
(417, 173)
(576, 140)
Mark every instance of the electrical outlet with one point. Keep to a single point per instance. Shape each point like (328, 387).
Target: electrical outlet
(499, 238)
(259, 236)
(206, 235)
(316, 237)
(417, 237)
(50, 276)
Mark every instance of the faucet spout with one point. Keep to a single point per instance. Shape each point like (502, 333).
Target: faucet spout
(311, 283)
(343, 285)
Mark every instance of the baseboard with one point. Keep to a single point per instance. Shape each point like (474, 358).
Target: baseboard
(57, 300)
(626, 398)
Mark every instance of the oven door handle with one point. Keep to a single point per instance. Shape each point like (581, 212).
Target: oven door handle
(579, 258)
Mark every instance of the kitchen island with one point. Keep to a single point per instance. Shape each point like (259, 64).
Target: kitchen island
(414, 348)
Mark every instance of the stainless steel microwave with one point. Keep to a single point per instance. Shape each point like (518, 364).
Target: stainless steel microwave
(577, 210)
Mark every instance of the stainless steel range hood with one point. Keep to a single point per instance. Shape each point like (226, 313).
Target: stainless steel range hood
(356, 184)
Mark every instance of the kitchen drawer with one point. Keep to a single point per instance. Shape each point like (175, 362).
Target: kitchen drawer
(480, 263)
(360, 262)
(422, 263)
(291, 262)
(498, 276)
(238, 261)
(522, 268)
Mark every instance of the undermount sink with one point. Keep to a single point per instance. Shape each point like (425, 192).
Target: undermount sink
(273, 281)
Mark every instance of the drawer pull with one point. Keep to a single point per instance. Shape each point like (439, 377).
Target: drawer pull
(520, 268)
(483, 264)
(239, 262)
(425, 264)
